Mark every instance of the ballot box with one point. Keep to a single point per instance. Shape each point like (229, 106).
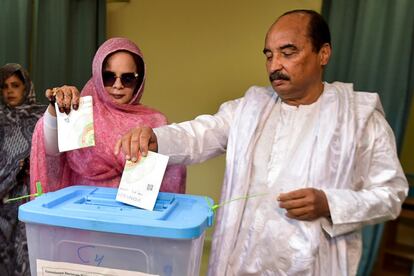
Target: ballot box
(83, 230)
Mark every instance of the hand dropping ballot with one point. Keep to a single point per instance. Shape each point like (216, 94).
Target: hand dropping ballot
(141, 181)
(75, 130)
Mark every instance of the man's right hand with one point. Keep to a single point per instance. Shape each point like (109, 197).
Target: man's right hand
(135, 142)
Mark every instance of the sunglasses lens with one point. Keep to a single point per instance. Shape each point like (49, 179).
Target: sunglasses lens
(129, 80)
(108, 78)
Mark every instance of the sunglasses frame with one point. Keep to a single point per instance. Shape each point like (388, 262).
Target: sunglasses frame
(125, 83)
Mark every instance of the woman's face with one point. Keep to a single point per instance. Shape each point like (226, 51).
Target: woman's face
(120, 77)
(13, 91)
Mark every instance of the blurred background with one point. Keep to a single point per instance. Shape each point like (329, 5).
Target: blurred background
(202, 53)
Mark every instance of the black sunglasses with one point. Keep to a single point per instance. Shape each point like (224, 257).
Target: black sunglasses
(128, 80)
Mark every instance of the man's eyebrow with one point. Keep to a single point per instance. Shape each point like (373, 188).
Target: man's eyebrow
(288, 46)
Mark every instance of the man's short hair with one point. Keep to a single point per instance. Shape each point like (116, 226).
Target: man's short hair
(318, 29)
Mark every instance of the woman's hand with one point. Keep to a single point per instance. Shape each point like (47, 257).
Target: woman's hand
(66, 97)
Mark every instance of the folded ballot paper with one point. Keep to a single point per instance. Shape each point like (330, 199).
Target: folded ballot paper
(141, 181)
(75, 130)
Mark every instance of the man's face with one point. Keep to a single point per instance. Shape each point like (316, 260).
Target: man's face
(294, 68)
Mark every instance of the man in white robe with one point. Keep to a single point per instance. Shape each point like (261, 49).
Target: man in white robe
(321, 156)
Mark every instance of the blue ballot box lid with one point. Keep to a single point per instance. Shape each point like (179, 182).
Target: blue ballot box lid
(175, 216)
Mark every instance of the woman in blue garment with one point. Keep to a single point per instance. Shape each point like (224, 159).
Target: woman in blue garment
(18, 116)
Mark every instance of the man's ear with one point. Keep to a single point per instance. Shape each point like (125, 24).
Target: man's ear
(325, 53)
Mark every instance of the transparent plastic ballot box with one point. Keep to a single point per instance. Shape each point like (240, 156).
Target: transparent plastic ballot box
(82, 226)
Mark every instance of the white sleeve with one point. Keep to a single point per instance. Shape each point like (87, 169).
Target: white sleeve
(197, 140)
(384, 186)
(50, 134)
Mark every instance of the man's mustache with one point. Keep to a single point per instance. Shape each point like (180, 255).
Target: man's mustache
(278, 75)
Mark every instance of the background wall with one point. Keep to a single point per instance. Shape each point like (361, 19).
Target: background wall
(407, 155)
(198, 55)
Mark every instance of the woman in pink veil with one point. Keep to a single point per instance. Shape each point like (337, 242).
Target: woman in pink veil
(116, 86)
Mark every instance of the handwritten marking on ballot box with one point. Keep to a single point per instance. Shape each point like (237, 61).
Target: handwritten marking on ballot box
(86, 259)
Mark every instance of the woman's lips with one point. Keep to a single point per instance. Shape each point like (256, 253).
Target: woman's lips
(117, 96)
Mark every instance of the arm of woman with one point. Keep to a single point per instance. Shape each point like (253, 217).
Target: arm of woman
(50, 134)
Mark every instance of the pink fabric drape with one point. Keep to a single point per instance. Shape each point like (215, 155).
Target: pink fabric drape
(98, 165)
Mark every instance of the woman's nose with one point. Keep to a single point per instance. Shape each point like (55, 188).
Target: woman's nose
(118, 83)
(7, 90)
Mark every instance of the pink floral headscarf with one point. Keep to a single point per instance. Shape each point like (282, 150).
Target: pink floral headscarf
(98, 165)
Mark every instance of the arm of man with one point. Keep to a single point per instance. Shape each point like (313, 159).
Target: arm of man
(197, 140)
(384, 188)
(384, 185)
(187, 142)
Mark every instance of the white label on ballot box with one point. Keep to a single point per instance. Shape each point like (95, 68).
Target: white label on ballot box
(141, 181)
(49, 268)
(75, 130)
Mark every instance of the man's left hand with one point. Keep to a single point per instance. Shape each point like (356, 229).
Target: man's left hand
(304, 204)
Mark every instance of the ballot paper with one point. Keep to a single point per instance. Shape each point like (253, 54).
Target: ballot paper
(75, 130)
(141, 181)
